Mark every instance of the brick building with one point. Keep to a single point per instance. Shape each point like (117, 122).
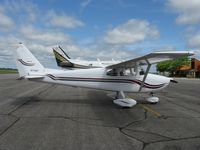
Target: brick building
(192, 70)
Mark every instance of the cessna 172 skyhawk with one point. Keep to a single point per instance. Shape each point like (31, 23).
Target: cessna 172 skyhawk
(63, 60)
(121, 77)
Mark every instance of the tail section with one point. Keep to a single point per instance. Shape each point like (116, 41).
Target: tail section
(64, 52)
(28, 66)
(62, 59)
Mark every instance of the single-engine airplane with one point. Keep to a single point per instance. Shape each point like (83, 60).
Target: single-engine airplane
(63, 60)
(121, 77)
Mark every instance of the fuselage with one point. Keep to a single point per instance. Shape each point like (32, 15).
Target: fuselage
(98, 78)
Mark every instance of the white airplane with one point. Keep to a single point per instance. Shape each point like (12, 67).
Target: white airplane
(121, 77)
(63, 60)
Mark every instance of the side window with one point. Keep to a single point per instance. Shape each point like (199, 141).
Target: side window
(112, 72)
(121, 72)
(141, 72)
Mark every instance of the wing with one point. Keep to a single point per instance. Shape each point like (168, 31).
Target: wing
(150, 59)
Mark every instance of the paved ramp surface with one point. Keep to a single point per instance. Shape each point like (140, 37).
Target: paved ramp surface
(49, 117)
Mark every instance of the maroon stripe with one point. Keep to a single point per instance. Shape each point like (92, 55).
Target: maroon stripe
(146, 85)
(25, 63)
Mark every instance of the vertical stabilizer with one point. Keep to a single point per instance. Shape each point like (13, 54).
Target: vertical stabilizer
(27, 64)
(62, 59)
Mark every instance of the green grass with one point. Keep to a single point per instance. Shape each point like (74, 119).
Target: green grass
(8, 71)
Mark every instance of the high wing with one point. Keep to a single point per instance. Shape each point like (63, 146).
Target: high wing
(150, 59)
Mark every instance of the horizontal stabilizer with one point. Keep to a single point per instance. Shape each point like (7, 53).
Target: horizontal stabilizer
(33, 77)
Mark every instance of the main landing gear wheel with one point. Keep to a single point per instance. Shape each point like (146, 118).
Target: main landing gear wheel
(152, 99)
(122, 101)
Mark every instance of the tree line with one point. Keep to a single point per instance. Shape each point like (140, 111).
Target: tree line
(172, 65)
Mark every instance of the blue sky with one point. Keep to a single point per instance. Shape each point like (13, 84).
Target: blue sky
(105, 29)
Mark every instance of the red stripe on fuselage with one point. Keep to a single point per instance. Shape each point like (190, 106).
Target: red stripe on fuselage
(146, 85)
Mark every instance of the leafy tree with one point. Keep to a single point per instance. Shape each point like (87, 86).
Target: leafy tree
(172, 65)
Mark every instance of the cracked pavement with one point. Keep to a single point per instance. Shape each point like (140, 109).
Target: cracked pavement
(44, 116)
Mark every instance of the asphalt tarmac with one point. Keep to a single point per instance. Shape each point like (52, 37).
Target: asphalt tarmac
(53, 117)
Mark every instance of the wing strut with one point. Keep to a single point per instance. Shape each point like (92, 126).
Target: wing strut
(145, 75)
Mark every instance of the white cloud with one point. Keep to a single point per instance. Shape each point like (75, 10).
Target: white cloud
(188, 14)
(94, 51)
(43, 50)
(85, 3)
(114, 54)
(8, 43)
(44, 36)
(196, 52)
(63, 20)
(133, 31)
(194, 41)
(6, 22)
(188, 10)
(40, 41)
(2, 9)
(23, 10)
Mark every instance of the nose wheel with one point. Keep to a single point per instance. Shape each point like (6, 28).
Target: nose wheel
(152, 99)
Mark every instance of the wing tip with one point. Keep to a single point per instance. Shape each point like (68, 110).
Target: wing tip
(190, 53)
